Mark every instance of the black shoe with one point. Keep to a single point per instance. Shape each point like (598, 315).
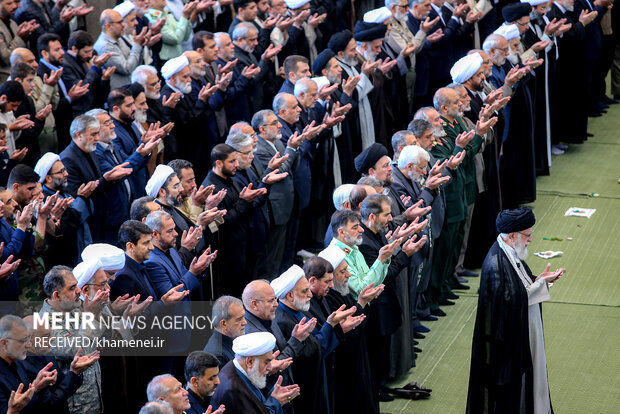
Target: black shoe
(589, 134)
(450, 295)
(460, 286)
(446, 302)
(437, 312)
(416, 349)
(416, 342)
(608, 101)
(421, 328)
(429, 318)
(385, 397)
(467, 273)
(594, 114)
(418, 335)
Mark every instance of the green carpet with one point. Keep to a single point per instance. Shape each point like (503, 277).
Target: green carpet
(582, 321)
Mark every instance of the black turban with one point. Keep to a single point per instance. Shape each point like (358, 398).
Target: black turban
(369, 157)
(519, 219)
(367, 32)
(135, 89)
(514, 11)
(339, 41)
(321, 61)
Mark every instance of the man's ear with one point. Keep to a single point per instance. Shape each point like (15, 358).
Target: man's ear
(3, 99)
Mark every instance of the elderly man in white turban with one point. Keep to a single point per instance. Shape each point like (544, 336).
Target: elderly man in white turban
(74, 209)
(293, 291)
(189, 139)
(242, 379)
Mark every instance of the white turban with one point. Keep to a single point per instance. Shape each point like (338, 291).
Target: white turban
(295, 4)
(159, 177)
(111, 257)
(44, 165)
(333, 254)
(124, 8)
(379, 15)
(85, 271)
(466, 67)
(287, 281)
(508, 31)
(320, 82)
(254, 344)
(174, 66)
(535, 3)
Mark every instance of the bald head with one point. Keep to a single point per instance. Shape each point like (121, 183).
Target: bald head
(358, 194)
(197, 65)
(23, 55)
(260, 300)
(446, 101)
(112, 23)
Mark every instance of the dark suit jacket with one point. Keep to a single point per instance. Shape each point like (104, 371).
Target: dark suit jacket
(73, 72)
(254, 91)
(10, 382)
(441, 52)
(126, 143)
(29, 10)
(55, 398)
(117, 198)
(29, 137)
(165, 274)
(385, 314)
(220, 346)
(82, 168)
(282, 193)
(63, 114)
(133, 278)
(198, 405)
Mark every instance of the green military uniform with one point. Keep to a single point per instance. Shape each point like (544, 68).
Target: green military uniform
(361, 274)
(460, 192)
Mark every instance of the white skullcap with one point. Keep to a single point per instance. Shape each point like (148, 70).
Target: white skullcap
(320, 82)
(124, 8)
(159, 177)
(287, 281)
(342, 194)
(535, 3)
(174, 66)
(379, 15)
(85, 271)
(44, 165)
(508, 31)
(295, 4)
(111, 257)
(254, 344)
(466, 67)
(333, 254)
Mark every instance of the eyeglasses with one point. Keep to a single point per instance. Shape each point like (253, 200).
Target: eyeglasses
(270, 301)
(101, 285)
(108, 123)
(527, 236)
(64, 170)
(118, 22)
(274, 123)
(246, 152)
(23, 340)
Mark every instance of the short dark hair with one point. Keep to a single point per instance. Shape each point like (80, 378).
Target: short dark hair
(80, 39)
(44, 42)
(2, 126)
(341, 218)
(131, 231)
(198, 42)
(290, 63)
(13, 90)
(116, 97)
(419, 126)
(55, 279)
(21, 71)
(178, 165)
(197, 362)
(317, 266)
(22, 174)
(139, 210)
(221, 152)
(373, 204)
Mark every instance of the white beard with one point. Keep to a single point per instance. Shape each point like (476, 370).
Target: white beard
(513, 58)
(521, 250)
(259, 381)
(152, 95)
(187, 88)
(342, 288)
(140, 116)
(350, 61)
(301, 305)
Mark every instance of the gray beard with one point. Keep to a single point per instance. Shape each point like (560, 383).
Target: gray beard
(140, 116)
(343, 288)
(59, 184)
(301, 306)
(349, 61)
(259, 381)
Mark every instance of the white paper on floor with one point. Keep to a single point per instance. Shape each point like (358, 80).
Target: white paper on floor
(580, 212)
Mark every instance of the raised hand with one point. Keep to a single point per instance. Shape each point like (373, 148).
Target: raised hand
(348, 85)
(388, 250)
(8, 267)
(174, 295)
(82, 363)
(274, 177)
(368, 68)
(435, 36)
(78, 90)
(303, 329)
(455, 160)
(229, 66)
(284, 394)
(428, 24)
(21, 122)
(119, 304)
(249, 195)
(18, 155)
(369, 293)
(271, 52)
(19, 400)
(276, 161)
(436, 180)
(199, 196)
(46, 376)
(215, 199)
(190, 238)
(117, 172)
(326, 90)
(410, 247)
(206, 91)
(549, 276)
(340, 314)
(417, 211)
(250, 71)
(135, 308)
(200, 264)
(172, 100)
(387, 65)
(97, 303)
(209, 216)
(53, 77)
(86, 190)
(277, 365)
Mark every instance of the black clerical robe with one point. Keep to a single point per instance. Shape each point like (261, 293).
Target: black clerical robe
(501, 377)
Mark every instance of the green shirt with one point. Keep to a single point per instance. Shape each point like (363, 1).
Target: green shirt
(361, 275)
